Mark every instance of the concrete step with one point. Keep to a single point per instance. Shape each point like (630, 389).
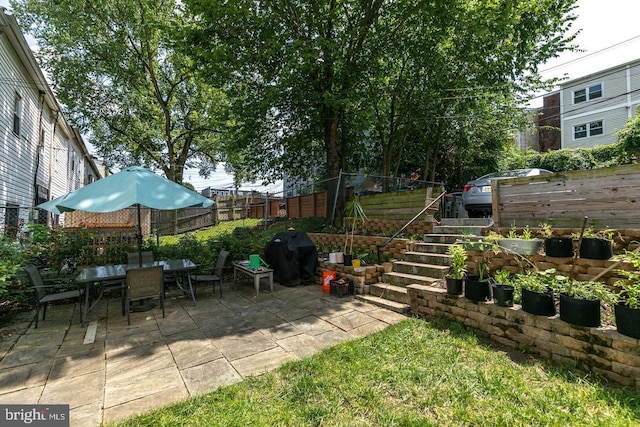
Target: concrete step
(469, 222)
(384, 303)
(390, 292)
(457, 229)
(418, 269)
(427, 258)
(403, 279)
(431, 248)
(448, 238)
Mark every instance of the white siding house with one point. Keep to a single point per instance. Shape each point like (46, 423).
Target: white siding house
(594, 107)
(41, 155)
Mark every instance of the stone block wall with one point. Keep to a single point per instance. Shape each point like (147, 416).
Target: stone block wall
(395, 249)
(603, 350)
(585, 269)
(366, 275)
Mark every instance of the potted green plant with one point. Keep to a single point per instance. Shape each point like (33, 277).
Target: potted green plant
(534, 290)
(580, 301)
(555, 246)
(457, 269)
(353, 214)
(627, 308)
(477, 287)
(523, 243)
(595, 244)
(502, 289)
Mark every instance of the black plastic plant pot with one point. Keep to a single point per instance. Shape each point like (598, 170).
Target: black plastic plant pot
(627, 320)
(477, 290)
(560, 247)
(347, 259)
(539, 303)
(502, 295)
(454, 286)
(593, 248)
(579, 311)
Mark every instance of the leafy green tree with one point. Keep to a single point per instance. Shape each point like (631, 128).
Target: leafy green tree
(629, 137)
(375, 85)
(117, 67)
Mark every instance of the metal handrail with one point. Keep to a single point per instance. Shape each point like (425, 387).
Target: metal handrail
(404, 227)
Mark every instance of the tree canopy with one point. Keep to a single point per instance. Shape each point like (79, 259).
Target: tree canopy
(117, 67)
(385, 86)
(303, 88)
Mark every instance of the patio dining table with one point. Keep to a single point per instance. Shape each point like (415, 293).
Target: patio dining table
(109, 273)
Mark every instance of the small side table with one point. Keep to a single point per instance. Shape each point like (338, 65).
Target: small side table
(256, 274)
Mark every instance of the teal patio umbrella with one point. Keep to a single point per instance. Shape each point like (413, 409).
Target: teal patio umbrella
(134, 185)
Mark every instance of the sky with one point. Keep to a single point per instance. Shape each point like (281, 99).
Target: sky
(609, 35)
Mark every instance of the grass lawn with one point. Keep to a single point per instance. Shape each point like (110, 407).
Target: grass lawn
(213, 232)
(415, 373)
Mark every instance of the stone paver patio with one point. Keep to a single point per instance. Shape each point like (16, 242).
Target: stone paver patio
(157, 361)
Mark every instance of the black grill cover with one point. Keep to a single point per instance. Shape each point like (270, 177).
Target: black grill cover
(293, 257)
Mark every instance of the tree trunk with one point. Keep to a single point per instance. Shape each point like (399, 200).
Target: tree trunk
(330, 121)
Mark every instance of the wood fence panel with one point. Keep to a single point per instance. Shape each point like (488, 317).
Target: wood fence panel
(293, 207)
(610, 197)
(321, 205)
(307, 206)
(402, 205)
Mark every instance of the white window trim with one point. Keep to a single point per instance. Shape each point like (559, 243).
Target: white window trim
(588, 126)
(586, 90)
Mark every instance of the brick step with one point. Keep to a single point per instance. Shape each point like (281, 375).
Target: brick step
(427, 258)
(384, 303)
(419, 269)
(432, 248)
(390, 292)
(403, 279)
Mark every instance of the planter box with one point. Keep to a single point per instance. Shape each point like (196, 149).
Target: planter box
(579, 311)
(521, 246)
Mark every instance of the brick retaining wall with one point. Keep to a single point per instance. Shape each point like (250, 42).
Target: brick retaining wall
(603, 349)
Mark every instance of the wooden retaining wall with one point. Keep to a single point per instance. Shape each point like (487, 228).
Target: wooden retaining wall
(401, 206)
(610, 197)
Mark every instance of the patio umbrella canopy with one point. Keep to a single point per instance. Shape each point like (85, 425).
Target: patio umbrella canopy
(134, 185)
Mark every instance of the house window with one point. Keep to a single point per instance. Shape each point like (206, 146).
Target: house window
(17, 113)
(586, 130)
(595, 128)
(580, 131)
(592, 92)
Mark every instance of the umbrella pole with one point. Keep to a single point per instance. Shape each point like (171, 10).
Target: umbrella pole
(139, 235)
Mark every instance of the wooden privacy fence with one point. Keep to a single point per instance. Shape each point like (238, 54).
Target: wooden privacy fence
(307, 206)
(608, 196)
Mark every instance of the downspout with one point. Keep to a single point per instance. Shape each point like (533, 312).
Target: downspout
(38, 148)
(53, 138)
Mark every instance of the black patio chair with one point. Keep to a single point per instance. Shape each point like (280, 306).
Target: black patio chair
(44, 297)
(216, 274)
(143, 283)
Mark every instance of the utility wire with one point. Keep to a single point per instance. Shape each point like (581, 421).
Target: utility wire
(613, 46)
